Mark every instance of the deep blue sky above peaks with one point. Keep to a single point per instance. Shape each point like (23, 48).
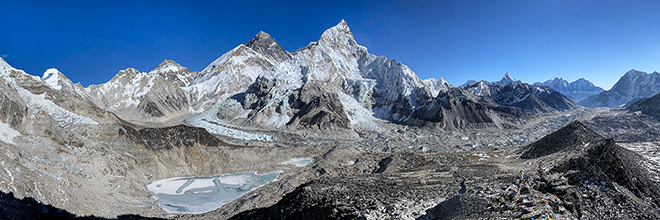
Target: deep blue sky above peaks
(90, 41)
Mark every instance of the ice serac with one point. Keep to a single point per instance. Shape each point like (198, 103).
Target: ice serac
(576, 90)
(634, 84)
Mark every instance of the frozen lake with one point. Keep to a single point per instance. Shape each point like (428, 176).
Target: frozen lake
(195, 195)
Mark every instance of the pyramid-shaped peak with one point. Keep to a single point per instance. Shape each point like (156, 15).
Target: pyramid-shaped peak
(262, 38)
(507, 77)
(573, 136)
(506, 80)
(262, 35)
(340, 34)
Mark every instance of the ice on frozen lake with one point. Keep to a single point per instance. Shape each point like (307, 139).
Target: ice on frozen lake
(300, 162)
(195, 195)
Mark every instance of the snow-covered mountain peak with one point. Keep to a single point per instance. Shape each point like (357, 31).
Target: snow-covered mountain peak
(51, 77)
(340, 34)
(167, 66)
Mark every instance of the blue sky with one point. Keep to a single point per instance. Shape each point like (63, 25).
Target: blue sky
(90, 41)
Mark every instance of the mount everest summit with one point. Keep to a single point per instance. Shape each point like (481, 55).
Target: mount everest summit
(358, 119)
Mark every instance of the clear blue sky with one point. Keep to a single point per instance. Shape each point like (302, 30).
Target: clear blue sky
(90, 41)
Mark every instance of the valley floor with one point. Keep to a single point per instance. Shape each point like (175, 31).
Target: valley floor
(399, 172)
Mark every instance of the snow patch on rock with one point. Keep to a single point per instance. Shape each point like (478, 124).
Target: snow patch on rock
(7, 134)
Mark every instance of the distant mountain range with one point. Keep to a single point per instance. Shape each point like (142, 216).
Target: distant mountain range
(576, 90)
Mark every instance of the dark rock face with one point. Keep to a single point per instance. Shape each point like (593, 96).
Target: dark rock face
(574, 135)
(319, 109)
(649, 106)
(169, 137)
(150, 108)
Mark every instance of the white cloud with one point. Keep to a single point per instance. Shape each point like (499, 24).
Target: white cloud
(5, 55)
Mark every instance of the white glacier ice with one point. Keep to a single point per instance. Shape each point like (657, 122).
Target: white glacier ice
(209, 121)
(299, 162)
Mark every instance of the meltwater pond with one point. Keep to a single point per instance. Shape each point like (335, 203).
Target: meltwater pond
(195, 195)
